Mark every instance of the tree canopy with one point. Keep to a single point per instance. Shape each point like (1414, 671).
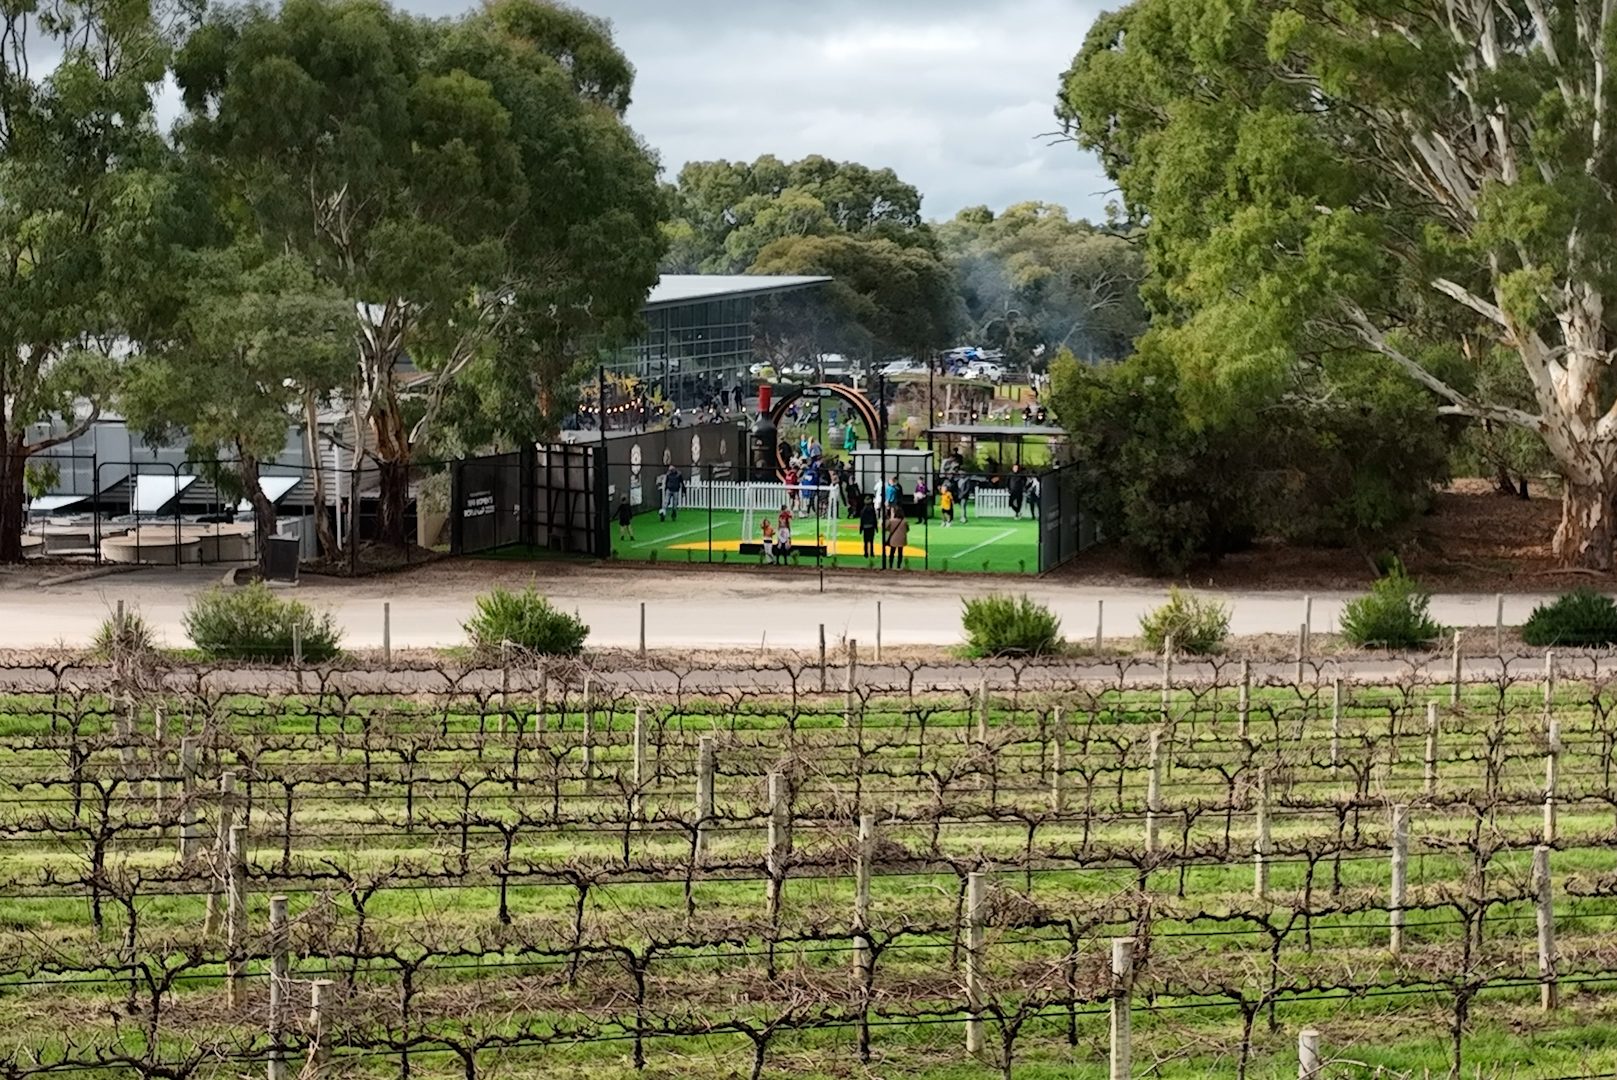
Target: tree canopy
(1424, 181)
(469, 186)
(1033, 281)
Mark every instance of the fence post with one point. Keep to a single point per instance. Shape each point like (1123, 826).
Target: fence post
(387, 634)
(589, 737)
(1100, 623)
(1549, 679)
(1058, 776)
(1336, 721)
(976, 889)
(1454, 690)
(1243, 705)
(317, 1031)
(639, 766)
(982, 709)
(1544, 901)
(1153, 793)
(1121, 1062)
(1400, 866)
(704, 791)
(642, 629)
(236, 916)
(1552, 777)
(280, 968)
(1430, 771)
(1499, 623)
(188, 786)
(225, 819)
(1260, 846)
(822, 658)
(1167, 674)
(779, 843)
(862, 955)
(1308, 1063)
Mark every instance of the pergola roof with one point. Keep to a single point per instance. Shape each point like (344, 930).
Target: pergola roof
(673, 289)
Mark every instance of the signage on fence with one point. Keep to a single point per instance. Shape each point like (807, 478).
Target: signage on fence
(479, 504)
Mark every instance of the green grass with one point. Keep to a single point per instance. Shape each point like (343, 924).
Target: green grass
(986, 545)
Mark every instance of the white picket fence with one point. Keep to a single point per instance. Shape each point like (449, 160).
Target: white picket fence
(734, 495)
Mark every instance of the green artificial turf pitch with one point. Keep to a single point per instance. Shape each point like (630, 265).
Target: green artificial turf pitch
(987, 545)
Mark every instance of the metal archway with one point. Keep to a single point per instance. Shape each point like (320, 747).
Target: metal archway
(820, 391)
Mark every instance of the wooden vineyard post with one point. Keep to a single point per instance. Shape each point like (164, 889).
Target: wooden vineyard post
(1459, 674)
(862, 955)
(642, 629)
(1499, 623)
(1549, 680)
(704, 791)
(159, 766)
(822, 659)
(982, 710)
(1058, 775)
(318, 992)
(1121, 1059)
(638, 773)
(1400, 868)
(1308, 1063)
(1243, 705)
(1336, 722)
(1260, 845)
(1153, 793)
(188, 789)
(976, 903)
(589, 736)
(236, 916)
(297, 649)
(387, 634)
(1544, 901)
(779, 843)
(1552, 777)
(1100, 623)
(542, 703)
(1302, 650)
(850, 686)
(280, 970)
(1167, 676)
(1429, 773)
(225, 819)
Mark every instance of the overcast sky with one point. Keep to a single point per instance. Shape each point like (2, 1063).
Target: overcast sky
(957, 96)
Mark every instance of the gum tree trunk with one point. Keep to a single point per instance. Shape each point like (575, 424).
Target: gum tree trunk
(1584, 538)
(13, 461)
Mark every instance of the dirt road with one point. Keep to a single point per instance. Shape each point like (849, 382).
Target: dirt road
(698, 608)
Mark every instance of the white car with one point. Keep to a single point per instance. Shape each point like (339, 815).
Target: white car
(901, 367)
(984, 371)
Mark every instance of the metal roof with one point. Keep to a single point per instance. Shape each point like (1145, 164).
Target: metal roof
(674, 289)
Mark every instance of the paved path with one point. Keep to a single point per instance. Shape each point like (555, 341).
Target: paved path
(729, 610)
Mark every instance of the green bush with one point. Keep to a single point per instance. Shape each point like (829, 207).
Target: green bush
(1394, 614)
(134, 638)
(254, 623)
(1580, 617)
(1197, 625)
(1000, 625)
(526, 620)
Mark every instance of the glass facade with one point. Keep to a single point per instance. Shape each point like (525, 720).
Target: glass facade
(692, 350)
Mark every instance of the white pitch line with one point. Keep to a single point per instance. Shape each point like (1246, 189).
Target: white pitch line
(985, 543)
(665, 539)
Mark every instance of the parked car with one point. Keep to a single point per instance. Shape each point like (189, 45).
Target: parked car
(902, 367)
(984, 371)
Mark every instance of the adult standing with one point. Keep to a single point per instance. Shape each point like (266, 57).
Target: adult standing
(898, 534)
(1018, 490)
(868, 521)
(1033, 497)
(673, 486)
(850, 437)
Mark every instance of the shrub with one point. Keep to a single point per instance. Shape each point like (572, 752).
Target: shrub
(1580, 617)
(1394, 614)
(134, 638)
(1196, 624)
(528, 621)
(1001, 625)
(255, 624)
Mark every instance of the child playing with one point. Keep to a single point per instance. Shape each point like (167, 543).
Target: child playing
(769, 540)
(946, 505)
(625, 520)
(784, 520)
(783, 541)
(791, 485)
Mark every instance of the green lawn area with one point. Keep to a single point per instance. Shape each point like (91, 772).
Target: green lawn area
(989, 545)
